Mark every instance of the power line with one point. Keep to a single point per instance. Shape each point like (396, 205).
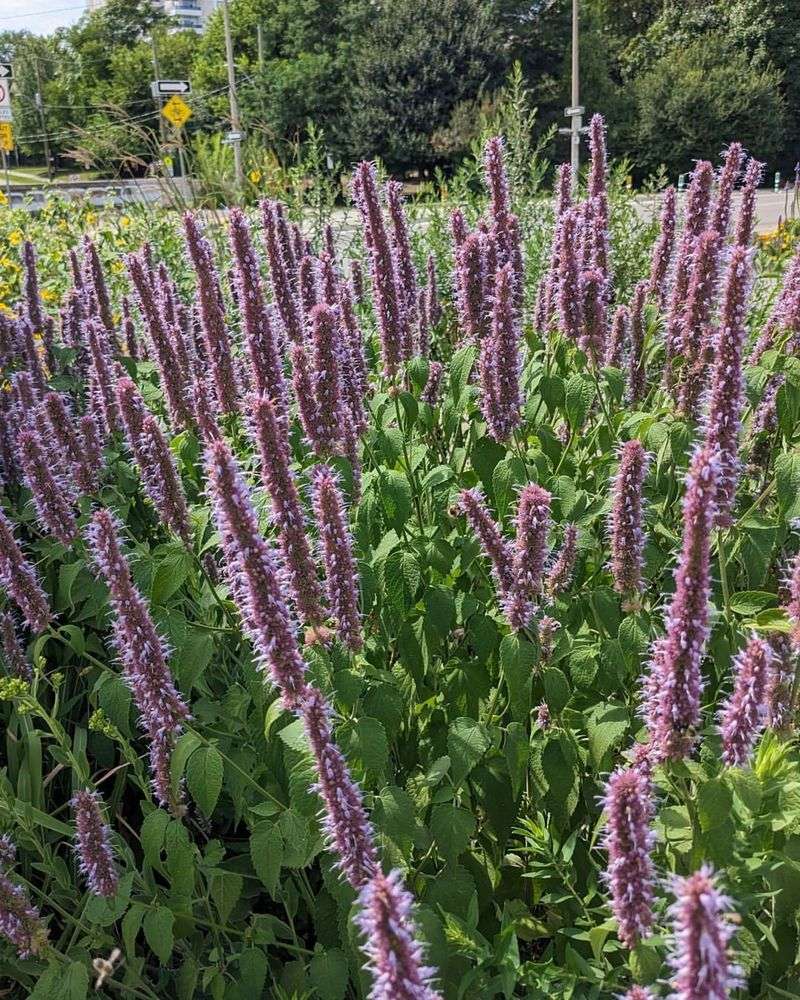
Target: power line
(41, 13)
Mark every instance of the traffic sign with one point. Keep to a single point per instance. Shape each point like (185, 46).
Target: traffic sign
(234, 136)
(6, 137)
(176, 111)
(6, 71)
(5, 102)
(164, 88)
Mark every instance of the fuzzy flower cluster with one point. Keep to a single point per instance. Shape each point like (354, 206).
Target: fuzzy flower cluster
(629, 842)
(560, 575)
(627, 528)
(93, 844)
(20, 581)
(674, 683)
(746, 712)
(703, 927)
(500, 362)
(20, 922)
(433, 387)
(11, 648)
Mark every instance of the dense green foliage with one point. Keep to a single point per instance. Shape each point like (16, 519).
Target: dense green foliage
(674, 79)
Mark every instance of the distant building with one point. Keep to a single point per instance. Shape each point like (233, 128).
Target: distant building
(187, 13)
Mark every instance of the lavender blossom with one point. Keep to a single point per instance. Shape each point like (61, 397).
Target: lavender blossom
(597, 148)
(271, 435)
(308, 283)
(747, 209)
(505, 225)
(674, 684)
(61, 427)
(403, 261)
(387, 292)
(698, 199)
(703, 926)
(93, 844)
(327, 381)
(103, 375)
(469, 279)
(357, 280)
(287, 303)
(394, 955)
(619, 335)
(20, 922)
(500, 363)
(629, 842)
(433, 387)
(560, 575)
(52, 501)
(696, 336)
(639, 993)
(543, 720)
(92, 446)
(570, 298)
(129, 330)
(8, 851)
(337, 556)
(354, 373)
(95, 281)
(530, 553)
(33, 302)
(266, 367)
(497, 548)
(745, 713)
(627, 530)
(723, 424)
(27, 338)
(780, 709)
(663, 248)
(458, 228)
(161, 479)
(11, 647)
(546, 634)
(721, 216)
(142, 651)
(212, 316)
(592, 339)
(793, 605)
(789, 293)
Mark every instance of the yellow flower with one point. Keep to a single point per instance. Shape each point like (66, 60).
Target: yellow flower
(117, 267)
(255, 176)
(15, 237)
(124, 220)
(3, 198)
(91, 218)
(48, 296)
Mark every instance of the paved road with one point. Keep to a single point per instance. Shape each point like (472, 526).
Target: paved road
(771, 207)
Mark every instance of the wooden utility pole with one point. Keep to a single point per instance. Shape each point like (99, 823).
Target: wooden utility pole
(42, 119)
(236, 125)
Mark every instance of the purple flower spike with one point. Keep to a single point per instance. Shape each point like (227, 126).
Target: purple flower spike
(33, 303)
(617, 340)
(92, 445)
(698, 199)
(703, 926)
(403, 261)
(723, 424)
(560, 575)
(212, 316)
(266, 368)
(543, 720)
(469, 278)
(11, 647)
(254, 576)
(497, 548)
(597, 148)
(285, 299)
(271, 435)
(64, 433)
(745, 714)
(142, 651)
(129, 330)
(52, 501)
(93, 844)
(663, 248)
(530, 553)
(629, 842)
(500, 362)
(675, 683)
(546, 633)
(103, 375)
(357, 280)
(387, 292)
(327, 383)
(779, 698)
(161, 479)
(570, 298)
(721, 216)
(747, 209)
(394, 954)
(433, 387)
(639, 993)
(345, 820)
(793, 606)
(696, 336)
(592, 340)
(337, 556)
(627, 530)
(787, 300)
(95, 281)
(20, 922)
(308, 283)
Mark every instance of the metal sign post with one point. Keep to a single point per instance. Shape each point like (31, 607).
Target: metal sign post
(5, 171)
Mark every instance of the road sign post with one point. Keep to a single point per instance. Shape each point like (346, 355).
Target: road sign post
(166, 88)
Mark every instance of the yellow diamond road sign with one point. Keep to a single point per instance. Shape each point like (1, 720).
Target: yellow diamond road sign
(176, 111)
(6, 137)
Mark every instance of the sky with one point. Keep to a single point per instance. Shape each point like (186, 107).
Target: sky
(39, 16)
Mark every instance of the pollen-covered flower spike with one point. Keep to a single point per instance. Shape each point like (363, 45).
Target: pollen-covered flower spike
(530, 553)
(93, 844)
(560, 575)
(337, 556)
(627, 528)
(629, 842)
(745, 713)
(703, 926)
(394, 953)
(674, 683)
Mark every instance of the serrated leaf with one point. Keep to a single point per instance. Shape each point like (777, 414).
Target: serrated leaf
(401, 579)
(395, 492)
(226, 888)
(452, 827)
(714, 803)
(579, 393)
(158, 925)
(467, 742)
(152, 835)
(329, 975)
(204, 773)
(266, 854)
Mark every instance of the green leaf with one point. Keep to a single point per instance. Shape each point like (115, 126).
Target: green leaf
(452, 827)
(204, 777)
(787, 476)
(579, 393)
(467, 742)
(440, 611)
(714, 802)
(371, 746)
(517, 753)
(329, 974)
(750, 602)
(170, 576)
(131, 923)
(556, 689)
(394, 816)
(518, 659)
(226, 888)
(158, 932)
(401, 579)
(152, 835)
(460, 370)
(606, 728)
(266, 854)
(396, 496)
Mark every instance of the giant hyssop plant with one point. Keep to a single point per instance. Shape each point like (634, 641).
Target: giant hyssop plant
(401, 626)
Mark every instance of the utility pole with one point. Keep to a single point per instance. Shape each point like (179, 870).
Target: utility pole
(158, 100)
(42, 120)
(236, 125)
(260, 37)
(575, 111)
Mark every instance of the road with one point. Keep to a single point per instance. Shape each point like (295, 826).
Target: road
(771, 207)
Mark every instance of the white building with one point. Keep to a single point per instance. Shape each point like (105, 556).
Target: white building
(187, 13)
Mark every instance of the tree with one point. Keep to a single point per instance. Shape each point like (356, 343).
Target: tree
(414, 64)
(700, 96)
